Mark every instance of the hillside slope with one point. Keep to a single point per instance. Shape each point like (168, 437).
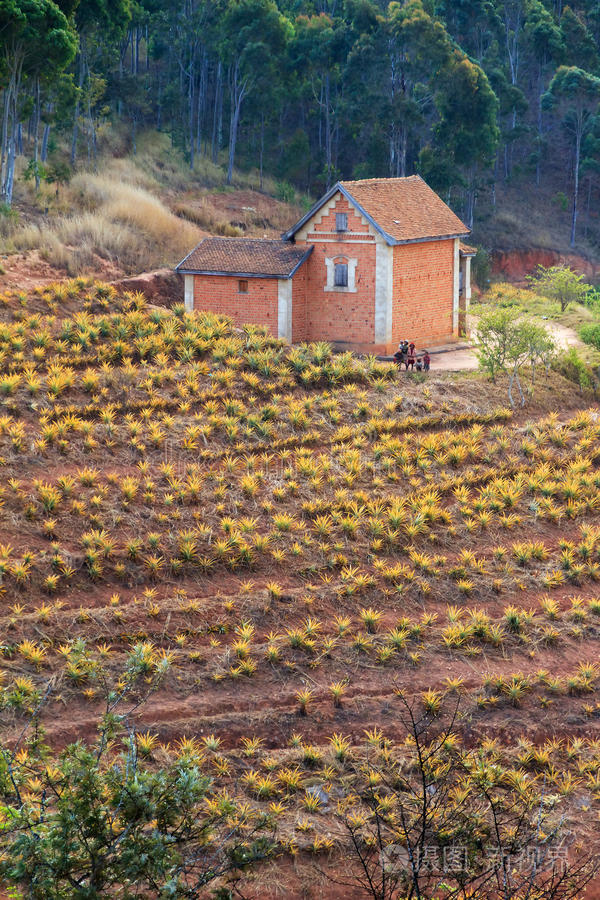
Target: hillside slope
(299, 535)
(134, 213)
(143, 211)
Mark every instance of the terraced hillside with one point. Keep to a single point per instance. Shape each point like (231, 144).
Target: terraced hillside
(283, 540)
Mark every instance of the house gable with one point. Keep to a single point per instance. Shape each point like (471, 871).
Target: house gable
(360, 224)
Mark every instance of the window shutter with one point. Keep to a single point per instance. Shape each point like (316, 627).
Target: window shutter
(341, 221)
(341, 275)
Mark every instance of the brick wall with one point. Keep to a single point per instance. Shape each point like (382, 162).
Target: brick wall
(340, 316)
(219, 294)
(423, 292)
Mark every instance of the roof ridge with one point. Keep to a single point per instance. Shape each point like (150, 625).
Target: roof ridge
(401, 210)
(382, 178)
(220, 237)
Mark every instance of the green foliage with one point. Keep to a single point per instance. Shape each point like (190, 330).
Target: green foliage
(481, 268)
(561, 200)
(309, 94)
(560, 283)
(37, 37)
(506, 342)
(285, 192)
(572, 366)
(112, 822)
(590, 334)
(574, 95)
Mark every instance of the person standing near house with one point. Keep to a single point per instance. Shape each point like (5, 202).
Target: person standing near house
(410, 360)
(426, 360)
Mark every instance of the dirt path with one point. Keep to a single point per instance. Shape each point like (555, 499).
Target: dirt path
(465, 360)
(454, 361)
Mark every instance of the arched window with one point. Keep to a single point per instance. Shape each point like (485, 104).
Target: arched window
(341, 274)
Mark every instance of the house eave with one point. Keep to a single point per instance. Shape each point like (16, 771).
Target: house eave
(436, 237)
(230, 274)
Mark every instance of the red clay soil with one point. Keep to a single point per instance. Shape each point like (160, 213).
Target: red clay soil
(24, 271)
(515, 265)
(163, 287)
(195, 613)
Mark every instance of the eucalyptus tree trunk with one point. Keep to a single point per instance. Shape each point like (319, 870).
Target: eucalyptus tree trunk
(191, 108)
(217, 114)
(328, 142)
(8, 149)
(45, 139)
(80, 79)
(36, 132)
(238, 88)
(575, 210)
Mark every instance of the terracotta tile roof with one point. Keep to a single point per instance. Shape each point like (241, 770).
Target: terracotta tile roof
(467, 250)
(244, 256)
(407, 209)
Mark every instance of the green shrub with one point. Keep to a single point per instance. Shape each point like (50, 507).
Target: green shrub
(561, 200)
(572, 366)
(592, 299)
(285, 192)
(590, 334)
(481, 268)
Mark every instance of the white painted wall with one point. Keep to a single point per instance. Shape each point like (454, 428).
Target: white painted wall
(188, 292)
(456, 293)
(284, 309)
(468, 279)
(384, 291)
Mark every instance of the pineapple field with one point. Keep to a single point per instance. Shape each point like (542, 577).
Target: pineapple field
(354, 600)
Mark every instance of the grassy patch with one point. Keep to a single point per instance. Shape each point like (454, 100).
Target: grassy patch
(143, 211)
(120, 222)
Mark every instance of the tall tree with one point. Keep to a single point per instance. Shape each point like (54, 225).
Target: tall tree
(547, 45)
(419, 50)
(580, 48)
(32, 31)
(467, 130)
(574, 95)
(320, 51)
(254, 33)
(105, 19)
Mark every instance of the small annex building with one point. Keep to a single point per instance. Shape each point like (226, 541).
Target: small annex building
(373, 262)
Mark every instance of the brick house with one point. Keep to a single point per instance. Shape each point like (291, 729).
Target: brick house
(372, 262)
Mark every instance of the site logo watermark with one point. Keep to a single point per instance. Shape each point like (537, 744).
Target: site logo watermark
(454, 859)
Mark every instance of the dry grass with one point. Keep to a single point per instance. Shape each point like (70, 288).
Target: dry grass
(527, 217)
(207, 217)
(142, 211)
(121, 222)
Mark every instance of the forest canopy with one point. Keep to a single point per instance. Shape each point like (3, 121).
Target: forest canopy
(466, 92)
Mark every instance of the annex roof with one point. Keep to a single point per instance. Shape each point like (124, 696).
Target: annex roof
(402, 210)
(246, 257)
(466, 250)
